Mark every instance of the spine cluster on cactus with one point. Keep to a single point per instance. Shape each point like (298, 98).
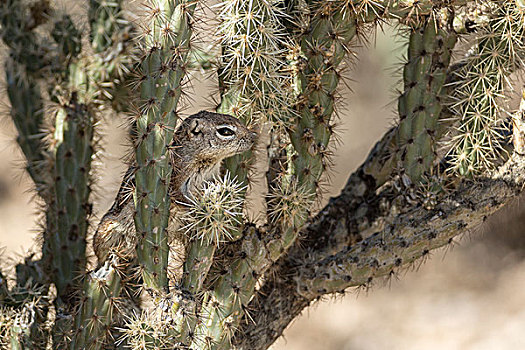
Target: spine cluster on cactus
(254, 83)
(147, 331)
(215, 215)
(478, 99)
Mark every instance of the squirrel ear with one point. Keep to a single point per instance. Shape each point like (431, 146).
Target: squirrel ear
(195, 126)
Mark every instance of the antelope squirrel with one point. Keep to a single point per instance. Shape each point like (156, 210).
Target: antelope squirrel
(199, 145)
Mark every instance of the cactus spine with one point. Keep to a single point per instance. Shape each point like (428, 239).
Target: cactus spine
(420, 105)
(163, 67)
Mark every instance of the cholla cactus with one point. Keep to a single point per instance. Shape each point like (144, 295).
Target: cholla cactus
(239, 283)
(254, 79)
(479, 94)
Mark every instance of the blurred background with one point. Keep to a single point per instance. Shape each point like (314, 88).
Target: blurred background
(469, 296)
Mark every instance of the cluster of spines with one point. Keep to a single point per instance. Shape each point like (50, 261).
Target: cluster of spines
(213, 218)
(106, 21)
(254, 84)
(166, 44)
(146, 330)
(419, 106)
(478, 96)
(214, 215)
(23, 309)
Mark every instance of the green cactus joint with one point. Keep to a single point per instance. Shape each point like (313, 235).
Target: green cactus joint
(213, 218)
(27, 112)
(162, 70)
(253, 86)
(74, 131)
(98, 305)
(420, 104)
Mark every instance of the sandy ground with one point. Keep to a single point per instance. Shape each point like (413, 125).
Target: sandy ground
(467, 297)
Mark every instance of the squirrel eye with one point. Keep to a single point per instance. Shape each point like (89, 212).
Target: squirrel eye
(224, 131)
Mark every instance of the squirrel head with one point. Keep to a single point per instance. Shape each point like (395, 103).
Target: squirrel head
(199, 145)
(208, 138)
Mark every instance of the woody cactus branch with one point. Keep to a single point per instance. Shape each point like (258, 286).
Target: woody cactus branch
(391, 241)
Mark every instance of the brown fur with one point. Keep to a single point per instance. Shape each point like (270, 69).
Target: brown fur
(196, 152)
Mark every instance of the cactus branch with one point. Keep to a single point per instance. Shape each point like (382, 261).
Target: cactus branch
(74, 152)
(213, 219)
(27, 112)
(98, 305)
(420, 104)
(163, 67)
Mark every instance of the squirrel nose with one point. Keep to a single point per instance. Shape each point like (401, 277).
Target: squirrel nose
(253, 135)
